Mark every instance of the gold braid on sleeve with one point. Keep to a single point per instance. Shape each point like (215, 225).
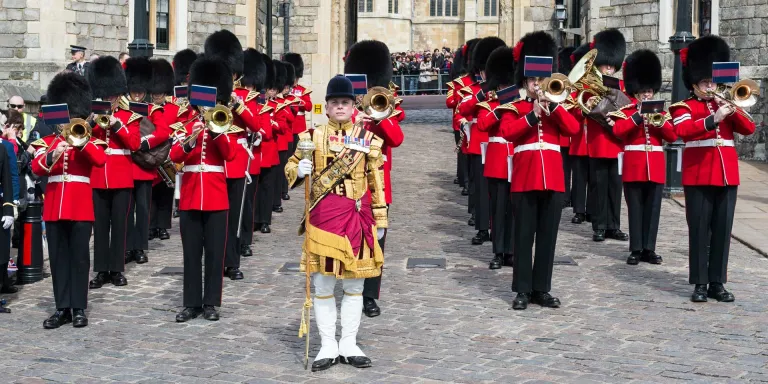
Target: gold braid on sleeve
(376, 183)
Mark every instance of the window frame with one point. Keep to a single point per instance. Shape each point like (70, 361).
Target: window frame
(365, 6)
(171, 28)
(393, 7)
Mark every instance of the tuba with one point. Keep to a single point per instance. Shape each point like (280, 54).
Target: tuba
(77, 132)
(378, 103)
(601, 100)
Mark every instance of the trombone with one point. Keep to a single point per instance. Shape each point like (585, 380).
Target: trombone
(741, 95)
(217, 120)
(378, 103)
(556, 87)
(655, 119)
(77, 132)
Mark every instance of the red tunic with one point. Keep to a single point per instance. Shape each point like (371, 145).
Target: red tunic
(643, 158)
(203, 184)
(579, 141)
(118, 170)
(601, 142)
(265, 129)
(709, 157)
(68, 193)
(246, 119)
(499, 149)
(269, 154)
(304, 106)
(538, 165)
(389, 131)
(469, 110)
(159, 118)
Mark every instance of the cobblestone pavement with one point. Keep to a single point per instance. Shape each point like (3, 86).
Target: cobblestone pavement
(618, 323)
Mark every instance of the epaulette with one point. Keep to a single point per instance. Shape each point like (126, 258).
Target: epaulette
(251, 95)
(307, 91)
(265, 109)
(395, 113)
(234, 129)
(177, 126)
(154, 108)
(449, 94)
(450, 84)
(485, 106)
(398, 101)
(99, 142)
(508, 107)
(618, 114)
(680, 104)
(124, 103)
(183, 107)
(169, 99)
(280, 106)
(466, 89)
(40, 143)
(134, 116)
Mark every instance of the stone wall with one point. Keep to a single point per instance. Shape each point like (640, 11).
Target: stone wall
(207, 16)
(395, 31)
(303, 38)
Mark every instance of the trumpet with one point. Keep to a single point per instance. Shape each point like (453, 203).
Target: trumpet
(217, 120)
(77, 132)
(741, 95)
(556, 87)
(102, 121)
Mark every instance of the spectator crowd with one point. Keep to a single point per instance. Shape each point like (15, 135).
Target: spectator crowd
(422, 72)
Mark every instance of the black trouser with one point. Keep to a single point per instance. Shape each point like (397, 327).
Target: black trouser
(69, 253)
(5, 245)
(709, 212)
(643, 210)
(264, 195)
(5, 281)
(281, 183)
(372, 285)
(538, 215)
(567, 172)
(162, 206)
(110, 206)
(249, 208)
(235, 194)
(470, 185)
(580, 167)
(292, 146)
(461, 162)
(138, 216)
(482, 204)
(605, 186)
(203, 231)
(502, 219)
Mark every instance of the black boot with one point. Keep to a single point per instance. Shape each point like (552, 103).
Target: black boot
(545, 300)
(616, 234)
(277, 209)
(699, 293)
(717, 291)
(188, 314)
(210, 313)
(286, 196)
(79, 319)
(356, 361)
(579, 218)
(465, 191)
(521, 301)
(245, 250)
(323, 364)
(651, 257)
(234, 273)
(598, 235)
(481, 237)
(370, 308)
(141, 257)
(471, 221)
(153, 233)
(60, 317)
(163, 234)
(498, 260)
(634, 258)
(130, 256)
(265, 229)
(456, 180)
(98, 281)
(118, 280)
(509, 260)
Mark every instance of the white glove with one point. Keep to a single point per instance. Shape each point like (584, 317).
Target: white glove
(257, 141)
(7, 221)
(305, 168)
(380, 233)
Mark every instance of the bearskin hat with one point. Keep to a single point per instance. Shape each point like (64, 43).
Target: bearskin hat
(162, 77)
(297, 62)
(500, 68)
(138, 74)
(371, 58)
(212, 73)
(611, 48)
(73, 90)
(642, 70)
(482, 50)
(106, 78)
(181, 63)
(224, 45)
(466, 52)
(254, 69)
(578, 53)
(699, 56)
(564, 64)
(290, 77)
(281, 75)
(533, 44)
(269, 79)
(457, 68)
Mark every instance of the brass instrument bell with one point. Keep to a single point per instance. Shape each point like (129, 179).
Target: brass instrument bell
(556, 87)
(378, 103)
(77, 132)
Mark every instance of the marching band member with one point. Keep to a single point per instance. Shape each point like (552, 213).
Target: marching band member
(579, 156)
(499, 74)
(301, 92)
(112, 183)
(67, 212)
(564, 66)
(348, 206)
(710, 167)
(284, 116)
(204, 203)
(161, 92)
(138, 74)
(535, 126)
(461, 80)
(225, 46)
(371, 58)
(270, 158)
(644, 167)
(182, 62)
(471, 96)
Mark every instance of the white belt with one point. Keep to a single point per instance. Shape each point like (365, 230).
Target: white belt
(300, 113)
(203, 168)
(643, 148)
(709, 143)
(537, 146)
(69, 178)
(242, 141)
(115, 151)
(497, 139)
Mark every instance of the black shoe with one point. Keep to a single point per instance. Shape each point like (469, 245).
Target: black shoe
(356, 361)
(498, 260)
(370, 308)
(78, 318)
(265, 229)
(286, 196)
(634, 258)
(234, 273)
(210, 313)
(588, 218)
(616, 234)
(481, 237)
(598, 235)
(10, 289)
(578, 218)
(118, 280)
(153, 233)
(323, 364)
(188, 314)
(509, 260)
(651, 257)
(471, 221)
(130, 256)
(545, 300)
(699, 293)
(141, 257)
(175, 214)
(521, 301)
(278, 209)
(465, 191)
(245, 250)
(98, 281)
(59, 318)
(257, 227)
(163, 234)
(456, 180)
(717, 291)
